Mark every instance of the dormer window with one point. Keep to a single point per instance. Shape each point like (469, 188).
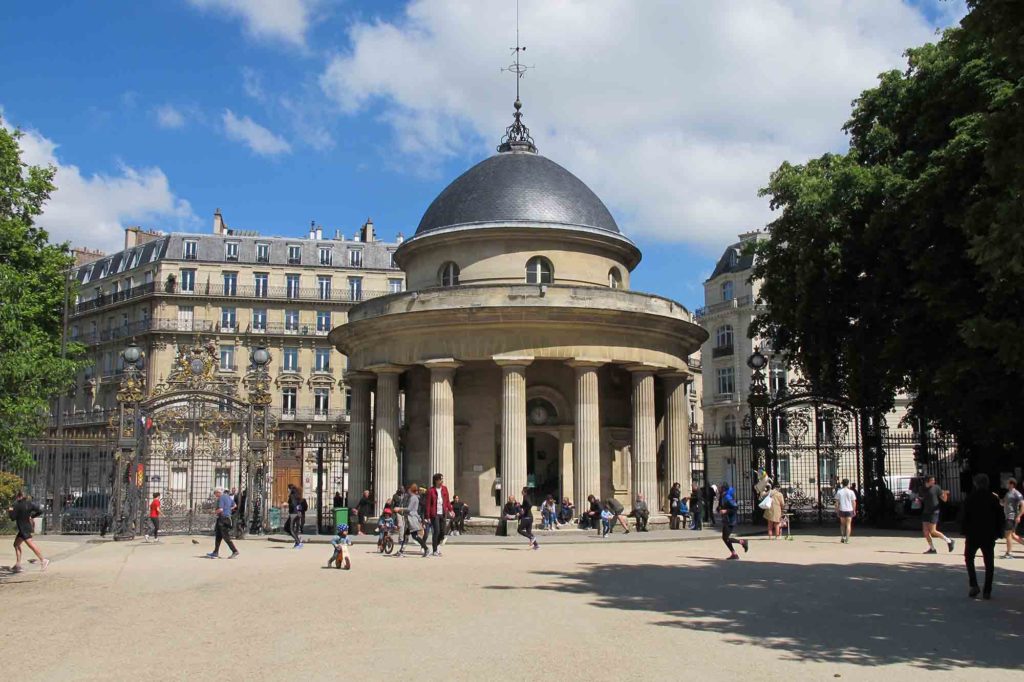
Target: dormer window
(539, 271)
(231, 251)
(294, 254)
(190, 249)
(326, 255)
(355, 258)
(449, 274)
(263, 253)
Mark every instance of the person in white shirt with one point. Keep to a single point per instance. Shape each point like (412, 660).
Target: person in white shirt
(846, 509)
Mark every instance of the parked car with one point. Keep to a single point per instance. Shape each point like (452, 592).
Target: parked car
(89, 513)
(906, 491)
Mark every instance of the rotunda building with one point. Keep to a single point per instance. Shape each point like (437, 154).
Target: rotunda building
(518, 356)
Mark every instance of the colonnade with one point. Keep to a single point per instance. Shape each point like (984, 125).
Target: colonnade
(587, 427)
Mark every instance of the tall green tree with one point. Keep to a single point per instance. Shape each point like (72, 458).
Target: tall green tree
(32, 289)
(900, 265)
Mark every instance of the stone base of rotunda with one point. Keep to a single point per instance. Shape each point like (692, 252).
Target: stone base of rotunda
(489, 526)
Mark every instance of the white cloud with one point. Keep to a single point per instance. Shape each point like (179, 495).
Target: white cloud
(252, 83)
(169, 117)
(674, 113)
(92, 210)
(283, 21)
(257, 138)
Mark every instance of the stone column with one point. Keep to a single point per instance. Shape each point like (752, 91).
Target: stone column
(645, 463)
(513, 425)
(359, 435)
(442, 420)
(677, 431)
(386, 436)
(586, 461)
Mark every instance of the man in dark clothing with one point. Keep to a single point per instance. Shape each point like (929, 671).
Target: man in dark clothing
(222, 523)
(931, 497)
(696, 508)
(526, 520)
(339, 502)
(592, 517)
(294, 514)
(982, 526)
(364, 510)
(461, 513)
(22, 512)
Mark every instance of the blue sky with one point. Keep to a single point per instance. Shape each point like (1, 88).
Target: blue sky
(295, 110)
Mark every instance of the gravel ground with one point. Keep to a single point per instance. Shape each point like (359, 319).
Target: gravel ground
(807, 609)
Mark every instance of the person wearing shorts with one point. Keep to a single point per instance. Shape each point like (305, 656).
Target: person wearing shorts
(931, 498)
(22, 512)
(1014, 510)
(846, 509)
(154, 517)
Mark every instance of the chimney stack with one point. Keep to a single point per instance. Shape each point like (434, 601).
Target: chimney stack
(219, 227)
(368, 234)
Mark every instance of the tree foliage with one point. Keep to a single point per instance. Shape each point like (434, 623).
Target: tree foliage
(32, 285)
(900, 265)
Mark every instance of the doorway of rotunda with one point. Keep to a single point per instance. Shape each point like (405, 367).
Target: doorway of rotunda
(543, 473)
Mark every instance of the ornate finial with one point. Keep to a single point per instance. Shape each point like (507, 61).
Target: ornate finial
(517, 136)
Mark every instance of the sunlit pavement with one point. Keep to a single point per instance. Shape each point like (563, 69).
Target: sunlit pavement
(810, 608)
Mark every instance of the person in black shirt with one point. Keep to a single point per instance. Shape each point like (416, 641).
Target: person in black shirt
(931, 498)
(592, 517)
(294, 514)
(526, 520)
(982, 526)
(338, 500)
(696, 508)
(458, 522)
(364, 510)
(22, 512)
(674, 495)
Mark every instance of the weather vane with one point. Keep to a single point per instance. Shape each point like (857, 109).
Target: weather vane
(517, 136)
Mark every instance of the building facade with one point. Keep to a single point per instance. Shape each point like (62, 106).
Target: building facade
(238, 290)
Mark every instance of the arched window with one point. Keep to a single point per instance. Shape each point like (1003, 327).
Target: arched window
(449, 274)
(539, 271)
(729, 426)
(614, 278)
(723, 336)
(727, 293)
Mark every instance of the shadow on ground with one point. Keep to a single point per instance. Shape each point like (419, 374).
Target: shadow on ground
(864, 613)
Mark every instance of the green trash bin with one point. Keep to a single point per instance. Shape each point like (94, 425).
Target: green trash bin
(274, 518)
(340, 516)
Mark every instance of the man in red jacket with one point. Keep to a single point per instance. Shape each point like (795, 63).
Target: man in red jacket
(439, 509)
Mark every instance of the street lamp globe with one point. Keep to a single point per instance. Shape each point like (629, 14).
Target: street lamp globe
(757, 360)
(260, 356)
(131, 354)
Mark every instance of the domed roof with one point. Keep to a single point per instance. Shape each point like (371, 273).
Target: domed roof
(517, 187)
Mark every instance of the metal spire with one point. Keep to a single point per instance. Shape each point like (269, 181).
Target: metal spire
(517, 136)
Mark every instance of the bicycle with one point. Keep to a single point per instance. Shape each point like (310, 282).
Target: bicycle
(385, 543)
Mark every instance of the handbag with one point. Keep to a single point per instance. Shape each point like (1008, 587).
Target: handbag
(766, 503)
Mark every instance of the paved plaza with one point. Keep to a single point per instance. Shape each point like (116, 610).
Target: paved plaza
(806, 609)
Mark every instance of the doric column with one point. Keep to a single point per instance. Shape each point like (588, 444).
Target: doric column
(677, 430)
(586, 460)
(645, 465)
(386, 444)
(513, 424)
(442, 419)
(359, 435)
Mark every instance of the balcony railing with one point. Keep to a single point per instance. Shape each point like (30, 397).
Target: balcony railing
(83, 418)
(722, 351)
(307, 414)
(740, 302)
(216, 290)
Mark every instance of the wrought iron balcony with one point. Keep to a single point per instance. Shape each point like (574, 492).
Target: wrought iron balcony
(722, 351)
(308, 414)
(734, 303)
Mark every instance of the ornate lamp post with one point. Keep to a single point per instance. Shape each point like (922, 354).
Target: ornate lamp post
(257, 384)
(760, 452)
(128, 473)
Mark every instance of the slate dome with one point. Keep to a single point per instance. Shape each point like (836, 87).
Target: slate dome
(517, 187)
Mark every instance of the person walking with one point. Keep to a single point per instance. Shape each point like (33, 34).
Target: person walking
(728, 509)
(846, 509)
(22, 511)
(1014, 510)
(413, 523)
(154, 517)
(931, 498)
(439, 510)
(526, 519)
(222, 524)
(983, 522)
(696, 508)
(294, 515)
